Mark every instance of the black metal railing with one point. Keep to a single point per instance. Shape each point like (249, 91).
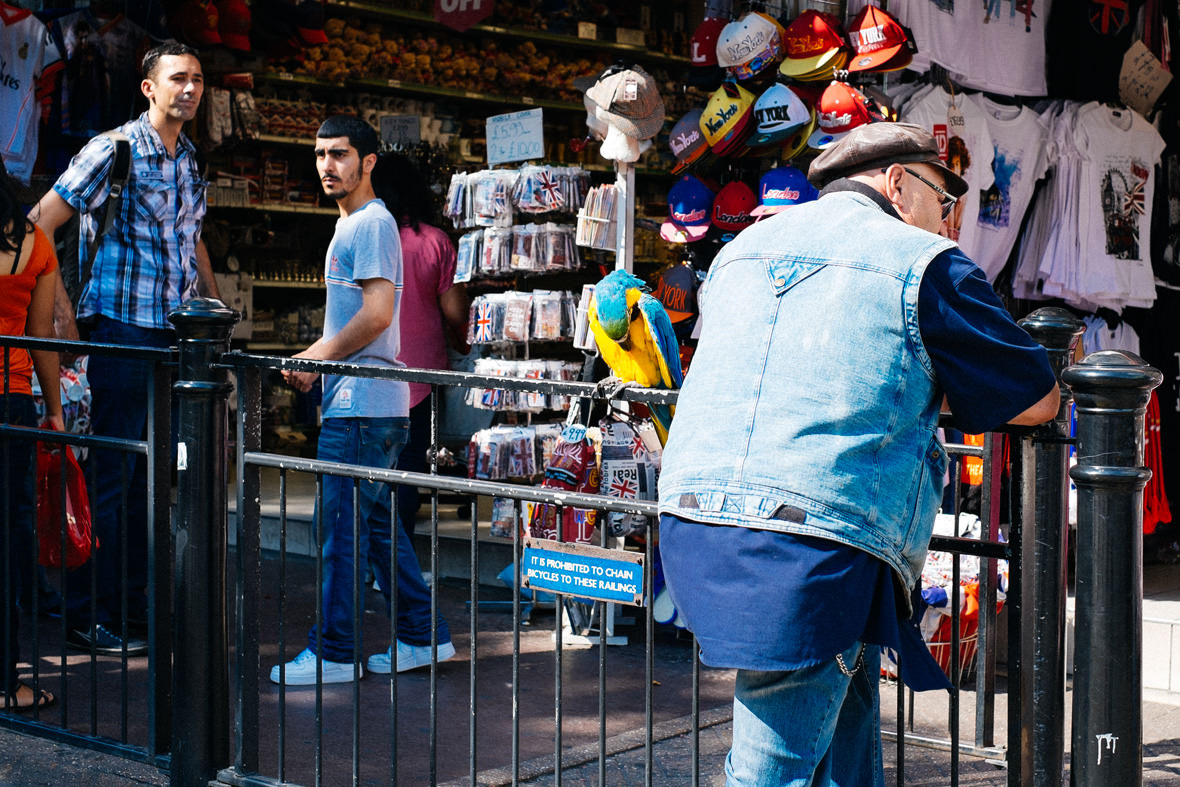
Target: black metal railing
(113, 702)
(232, 605)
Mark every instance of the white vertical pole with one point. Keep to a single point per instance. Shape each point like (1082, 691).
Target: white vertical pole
(625, 205)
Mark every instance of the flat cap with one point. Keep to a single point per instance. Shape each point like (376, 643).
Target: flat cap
(877, 145)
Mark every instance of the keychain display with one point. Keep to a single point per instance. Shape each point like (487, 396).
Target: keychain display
(522, 401)
(490, 198)
(507, 251)
(542, 315)
(630, 468)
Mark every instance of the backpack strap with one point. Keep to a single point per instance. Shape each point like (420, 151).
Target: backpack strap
(119, 174)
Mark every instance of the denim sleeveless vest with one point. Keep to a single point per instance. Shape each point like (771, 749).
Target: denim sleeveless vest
(811, 406)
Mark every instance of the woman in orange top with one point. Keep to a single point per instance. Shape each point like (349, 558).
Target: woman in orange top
(28, 275)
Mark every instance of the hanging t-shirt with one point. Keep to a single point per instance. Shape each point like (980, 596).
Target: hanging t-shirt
(1119, 151)
(1085, 43)
(967, 149)
(101, 81)
(993, 45)
(1100, 336)
(27, 53)
(1160, 343)
(1018, 137)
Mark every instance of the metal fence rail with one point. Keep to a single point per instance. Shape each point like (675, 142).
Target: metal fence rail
(248, 368)
(217, 613)
(114, 703)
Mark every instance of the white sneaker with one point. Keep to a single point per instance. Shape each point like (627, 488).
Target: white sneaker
(300, 671)
(408, 657)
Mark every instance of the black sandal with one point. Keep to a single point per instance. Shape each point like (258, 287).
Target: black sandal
(43, 698)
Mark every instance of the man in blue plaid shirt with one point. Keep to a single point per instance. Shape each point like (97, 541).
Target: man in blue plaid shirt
(150, 262)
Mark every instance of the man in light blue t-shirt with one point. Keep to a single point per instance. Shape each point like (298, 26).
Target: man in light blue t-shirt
(365, 421)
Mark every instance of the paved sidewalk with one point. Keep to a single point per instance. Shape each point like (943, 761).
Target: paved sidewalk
(31, 762)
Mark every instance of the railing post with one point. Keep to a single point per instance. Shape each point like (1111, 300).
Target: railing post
(1044, 580)
(200, 732)
(1111, 390)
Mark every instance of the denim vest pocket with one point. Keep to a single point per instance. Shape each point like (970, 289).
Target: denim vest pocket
(785, 273)
(926, 497)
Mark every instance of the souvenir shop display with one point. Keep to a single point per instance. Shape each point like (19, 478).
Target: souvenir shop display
(660, 137)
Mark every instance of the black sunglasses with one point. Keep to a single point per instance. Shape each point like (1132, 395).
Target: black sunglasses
(947, 202)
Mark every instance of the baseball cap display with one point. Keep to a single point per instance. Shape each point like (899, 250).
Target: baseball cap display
(234, 24)
(879, 145)
(778, 113)
(750, 44)
(814, 45)
(879, 42)
(841, 108)
(628, 99)
(728, 118)
(687, 141)
(689, 205)
(781, 188)
(733, 209)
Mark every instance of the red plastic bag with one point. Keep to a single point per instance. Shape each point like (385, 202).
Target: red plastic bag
(49, 508)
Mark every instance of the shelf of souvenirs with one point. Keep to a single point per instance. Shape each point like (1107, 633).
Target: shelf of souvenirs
(402, 86)
(639, 51)
(278, 139)
(276, 207)
(289, 283)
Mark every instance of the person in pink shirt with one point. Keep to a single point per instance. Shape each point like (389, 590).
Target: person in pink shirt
(433, 308)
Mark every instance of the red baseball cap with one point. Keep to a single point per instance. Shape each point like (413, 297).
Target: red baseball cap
(879, 42)
(841, 108)
(234, 24)
(733, 207)
(703, 47)
(811, 42)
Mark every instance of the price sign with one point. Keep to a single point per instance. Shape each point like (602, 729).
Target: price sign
(400, 130)
(517, 136)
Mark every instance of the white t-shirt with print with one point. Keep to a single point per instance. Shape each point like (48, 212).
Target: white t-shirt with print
(993, 45)
(1018, 138)
(971, 144)
(1119, 151)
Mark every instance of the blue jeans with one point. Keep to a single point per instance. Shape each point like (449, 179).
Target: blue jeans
(119, 408)
(18, 556)
(811, 727)
(370, 442)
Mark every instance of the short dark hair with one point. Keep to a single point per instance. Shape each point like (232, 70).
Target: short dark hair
(151, 58)
(360, 134)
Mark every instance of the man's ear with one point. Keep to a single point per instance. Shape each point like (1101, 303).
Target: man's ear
(369, 162)
(146, 87)
(893, 176)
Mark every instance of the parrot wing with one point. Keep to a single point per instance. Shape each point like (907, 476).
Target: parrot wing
(659, 327)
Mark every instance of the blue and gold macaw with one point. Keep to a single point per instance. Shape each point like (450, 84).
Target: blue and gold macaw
(635, 338)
